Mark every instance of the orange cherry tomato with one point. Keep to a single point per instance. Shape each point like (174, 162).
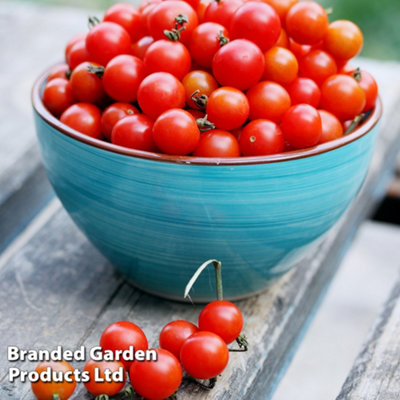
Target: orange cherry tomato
(281, 65)
(64, 389)
(331, 127)
(201, 82)
(343, 39)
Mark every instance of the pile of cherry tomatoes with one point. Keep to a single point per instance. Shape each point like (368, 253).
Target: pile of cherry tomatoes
(201, 351)
(213, 78)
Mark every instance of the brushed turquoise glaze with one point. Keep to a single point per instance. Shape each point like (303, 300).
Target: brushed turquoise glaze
(158, 221)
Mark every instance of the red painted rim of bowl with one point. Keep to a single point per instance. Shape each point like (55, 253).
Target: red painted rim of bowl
(287, 156)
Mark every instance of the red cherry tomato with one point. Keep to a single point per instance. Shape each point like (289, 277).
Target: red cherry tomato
(257, 22)
(156, 380)
(174, 334)
(299, 50)
(342, 96)
(306, 22)
(281, 65)
(112, 114)
(46, 390)
(86, 85)
(301, 126)
(59, 71)
(259, 138)
(176, 132)
(120, 336)
(239, 64)
(145, 9)
(304, 90)
(268, 100)
(77, 54)
(109, 387)
(222, 317)
(122, 77)
(134, 132)
(76, 38)
(368, 85)
(204, 355)
(145, 4)
(200, 81)
(140, 47)
(227, 108)
(217, 143)
(167, 56)
(205, 42)
(193, 3)
(222, 11)
(107, 40)
(201, 9)
(343, 39)
(163, 17)
(58, 95)
(83, 117)
(196, 113)
(331, 127)
(318, 65)
(160, 92)
(128, 17)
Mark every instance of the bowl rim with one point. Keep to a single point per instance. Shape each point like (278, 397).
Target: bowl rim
(50, 119)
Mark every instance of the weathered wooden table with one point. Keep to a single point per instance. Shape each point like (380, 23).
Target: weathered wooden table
(56, 289)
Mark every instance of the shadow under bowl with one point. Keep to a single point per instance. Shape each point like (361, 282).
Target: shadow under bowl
(158, 217)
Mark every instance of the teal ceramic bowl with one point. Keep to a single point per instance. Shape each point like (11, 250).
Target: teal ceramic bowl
(158, 217)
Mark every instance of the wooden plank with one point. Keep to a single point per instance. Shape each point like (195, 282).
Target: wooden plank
(18, 210)
(52, 291)
(376, 372)
(24, 190)
(52, 27)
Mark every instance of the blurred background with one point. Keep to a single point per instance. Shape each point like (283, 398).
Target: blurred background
(377, 19)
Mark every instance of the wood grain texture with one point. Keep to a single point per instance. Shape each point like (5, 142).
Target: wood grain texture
(24, 57)
(16, 212)
(55, 288)
(376, 372)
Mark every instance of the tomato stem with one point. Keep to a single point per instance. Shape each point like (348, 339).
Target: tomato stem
(180, 19)
(241, 340)
(128, 393)
(102, 397)
(218, 279)
(211, 382)
(97, 70)
(223, 40)
(356, 121)
(175, 34)
(357, 74)
(217, 265)
(200, 100)
(204, 124)
(92, 21)
(55, 397)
